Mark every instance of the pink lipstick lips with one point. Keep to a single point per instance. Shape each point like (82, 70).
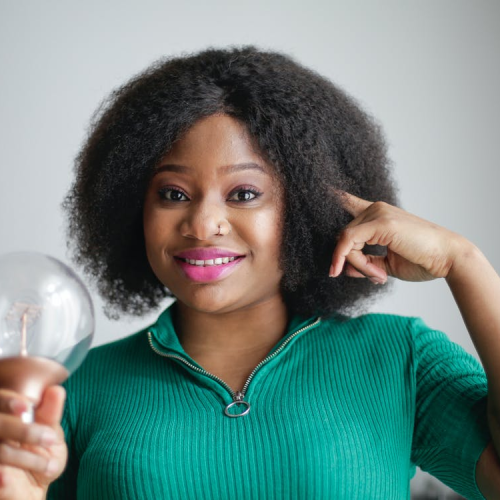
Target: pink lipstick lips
(208, 264)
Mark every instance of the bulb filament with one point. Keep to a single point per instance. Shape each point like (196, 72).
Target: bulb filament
(26, 314)
(24, 320)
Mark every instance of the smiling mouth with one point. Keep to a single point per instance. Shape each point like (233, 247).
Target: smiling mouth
(209, 262)
(205, 271)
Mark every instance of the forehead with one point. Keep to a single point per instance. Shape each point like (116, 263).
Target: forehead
(216, 141)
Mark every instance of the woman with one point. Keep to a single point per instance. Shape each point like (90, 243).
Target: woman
(237, 181)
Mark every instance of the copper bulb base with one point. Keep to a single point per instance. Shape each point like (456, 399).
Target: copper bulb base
(29, 376)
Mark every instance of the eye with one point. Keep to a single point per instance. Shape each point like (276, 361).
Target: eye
(171, 194)
(244, 194)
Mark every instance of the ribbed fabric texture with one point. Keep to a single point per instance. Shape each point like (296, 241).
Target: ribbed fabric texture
(344, 411)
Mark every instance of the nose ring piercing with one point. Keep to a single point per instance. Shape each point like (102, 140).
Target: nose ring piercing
(226, 230)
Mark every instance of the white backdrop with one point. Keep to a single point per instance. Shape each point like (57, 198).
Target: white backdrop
(429, 71)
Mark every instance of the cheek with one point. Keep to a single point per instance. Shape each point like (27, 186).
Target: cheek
(155, 229)
(267, 233)
(148, 224)
(156, 226)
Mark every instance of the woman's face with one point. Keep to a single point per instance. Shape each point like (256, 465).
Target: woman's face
(213, 177)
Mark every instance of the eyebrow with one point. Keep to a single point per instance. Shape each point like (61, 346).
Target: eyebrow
(226, 169)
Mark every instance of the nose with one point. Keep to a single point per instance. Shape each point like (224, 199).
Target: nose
(203, 221)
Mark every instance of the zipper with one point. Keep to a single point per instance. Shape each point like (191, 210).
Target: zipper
(238, 396)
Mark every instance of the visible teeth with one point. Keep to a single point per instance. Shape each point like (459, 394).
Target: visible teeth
(210, 262)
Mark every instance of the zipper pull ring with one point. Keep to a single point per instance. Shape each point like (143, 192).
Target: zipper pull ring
(237, 400)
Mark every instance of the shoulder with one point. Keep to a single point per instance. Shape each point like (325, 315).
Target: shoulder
(402, 336)
(123, 345)
(390, 337)
(375, 327)
(134, 344)
(114, 358)
(369, 341)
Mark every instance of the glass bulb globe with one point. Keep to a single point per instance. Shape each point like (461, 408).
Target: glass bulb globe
(46, 323)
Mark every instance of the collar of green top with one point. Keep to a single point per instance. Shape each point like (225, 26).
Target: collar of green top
(165, 336)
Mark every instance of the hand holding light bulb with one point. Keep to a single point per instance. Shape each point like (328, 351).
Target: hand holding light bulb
(31, 455)
(46, 328)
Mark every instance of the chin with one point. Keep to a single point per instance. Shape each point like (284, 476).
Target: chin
(210, 301)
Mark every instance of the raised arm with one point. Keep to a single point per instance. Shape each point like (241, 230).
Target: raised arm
(476, 288)
(418, 250)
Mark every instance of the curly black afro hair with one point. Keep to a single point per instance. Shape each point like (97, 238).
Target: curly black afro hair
(316, 137)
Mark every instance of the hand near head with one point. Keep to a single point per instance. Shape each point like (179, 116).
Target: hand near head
(417, 250)
(31, 455)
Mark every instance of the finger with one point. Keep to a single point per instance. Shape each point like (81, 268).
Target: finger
(352, 272)
(26, 460)
(352, 238)
(373, 267)
(14, 483)
(6, 481)
(354, 205)
(50, 410)
(13, 403)
(13, 429)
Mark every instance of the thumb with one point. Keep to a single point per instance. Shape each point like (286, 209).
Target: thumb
(50, 409)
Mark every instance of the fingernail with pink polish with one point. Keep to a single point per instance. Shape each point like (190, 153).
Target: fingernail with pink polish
(48, 437)
(52, 467)
(17, 406)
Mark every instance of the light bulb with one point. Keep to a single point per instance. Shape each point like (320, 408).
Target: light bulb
(46, 324)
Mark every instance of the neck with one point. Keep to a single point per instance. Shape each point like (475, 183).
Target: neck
(254, 329)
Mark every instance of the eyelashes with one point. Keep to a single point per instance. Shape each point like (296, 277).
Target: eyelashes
(242, 194)
(249, 194)
(172, 194)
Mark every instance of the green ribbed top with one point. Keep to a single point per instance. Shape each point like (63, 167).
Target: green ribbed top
(340, 409)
